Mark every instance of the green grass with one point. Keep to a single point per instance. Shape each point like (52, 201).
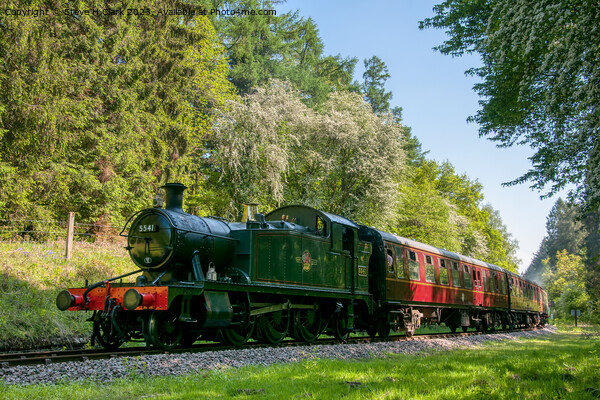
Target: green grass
(560, 366)
(566, 365)
(32, 274)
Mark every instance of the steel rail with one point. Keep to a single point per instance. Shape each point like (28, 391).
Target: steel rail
(8, 360)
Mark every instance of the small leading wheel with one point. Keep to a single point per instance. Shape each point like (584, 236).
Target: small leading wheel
(465, 328)
(340, 326)
(103, 332)
(274, 326)
(452, 328)
(307, 323)
(164, 329)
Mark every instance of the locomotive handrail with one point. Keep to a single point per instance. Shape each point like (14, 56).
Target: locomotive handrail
(222, 219)
(98, 284)
(127, 223)
(153, 283)
(185, 231)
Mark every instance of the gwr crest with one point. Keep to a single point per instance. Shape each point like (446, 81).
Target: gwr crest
(306, 261)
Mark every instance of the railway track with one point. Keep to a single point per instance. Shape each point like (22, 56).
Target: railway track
(49, 357)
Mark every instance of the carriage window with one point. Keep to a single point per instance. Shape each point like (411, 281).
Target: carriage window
(492, 287)
(413, 266)
(400, 271)
(496, 286)
(444, 273)
(484, 281)
(455, 274)
(429, 270)
(389, 261)
(502, 284)
(467, 275)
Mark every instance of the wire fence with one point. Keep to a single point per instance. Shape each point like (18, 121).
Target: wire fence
(42, 231)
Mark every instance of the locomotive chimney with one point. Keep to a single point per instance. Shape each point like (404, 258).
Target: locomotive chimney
(174, 196)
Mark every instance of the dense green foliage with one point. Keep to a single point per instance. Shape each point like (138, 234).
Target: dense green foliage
(540, 79)
(285, 47)
(343, 159)
(444, 209)
(98, 111)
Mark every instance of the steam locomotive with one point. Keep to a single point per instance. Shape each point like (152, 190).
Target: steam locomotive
(297, 272)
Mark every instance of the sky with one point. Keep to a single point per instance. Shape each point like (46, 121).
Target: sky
(437, 98)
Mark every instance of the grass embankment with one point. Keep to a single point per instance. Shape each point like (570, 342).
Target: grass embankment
(560, 366)
(32, 274)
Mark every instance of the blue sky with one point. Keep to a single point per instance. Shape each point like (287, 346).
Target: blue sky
(436, 97)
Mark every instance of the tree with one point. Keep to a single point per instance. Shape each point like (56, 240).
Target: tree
(441, 208)
(285, 47)
(564, 232)
(540, 73)
(273, 149)
(375, 76)
(99, 109)
(362, 157)
(566, 284)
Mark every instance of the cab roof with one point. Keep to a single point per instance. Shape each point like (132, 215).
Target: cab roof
(305, 215)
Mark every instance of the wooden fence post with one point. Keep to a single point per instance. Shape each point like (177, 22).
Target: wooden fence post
(70, 228)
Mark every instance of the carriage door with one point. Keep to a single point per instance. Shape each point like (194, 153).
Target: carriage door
(477, 287)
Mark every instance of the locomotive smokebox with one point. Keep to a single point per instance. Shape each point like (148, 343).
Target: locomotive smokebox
(168, 238)
(174, 196)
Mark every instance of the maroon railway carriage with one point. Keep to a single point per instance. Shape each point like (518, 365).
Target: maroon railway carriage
(413, 282)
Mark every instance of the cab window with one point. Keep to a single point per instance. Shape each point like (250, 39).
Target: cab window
(429, 270)
(321, 227)
(413, 266)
